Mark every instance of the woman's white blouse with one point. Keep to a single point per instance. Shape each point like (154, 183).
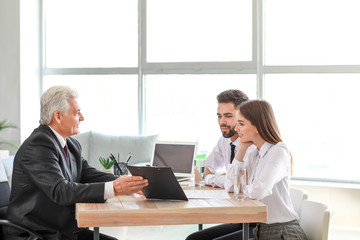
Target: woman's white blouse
(268, 179)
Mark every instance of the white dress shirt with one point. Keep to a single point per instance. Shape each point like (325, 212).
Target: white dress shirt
(217, 161)
(109, 189)
(268, 179)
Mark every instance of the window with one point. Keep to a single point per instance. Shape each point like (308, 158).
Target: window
(320, 127)
(185, 107)
(109, 103)
(156, 66)
(306, 32)
(83, 34)
(199, 31)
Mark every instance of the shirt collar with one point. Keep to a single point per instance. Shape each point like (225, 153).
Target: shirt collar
(62, 141)
(264, 148)
(236, 142)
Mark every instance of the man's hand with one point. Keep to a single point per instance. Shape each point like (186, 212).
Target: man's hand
(129, 184)
(207, 171)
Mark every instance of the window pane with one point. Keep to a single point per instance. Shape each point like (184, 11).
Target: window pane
(201, 30)
(307, 32)
(319, 117)
(109, 103)
(92, 33)
(183, 107)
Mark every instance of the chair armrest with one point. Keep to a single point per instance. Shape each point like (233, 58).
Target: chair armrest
(33, 236)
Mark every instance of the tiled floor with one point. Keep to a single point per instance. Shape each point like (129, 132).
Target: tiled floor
(180, 232)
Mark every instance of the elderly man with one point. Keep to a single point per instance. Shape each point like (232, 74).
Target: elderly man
(50, 176)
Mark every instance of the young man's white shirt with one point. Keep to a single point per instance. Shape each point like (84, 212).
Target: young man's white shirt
(217, 161)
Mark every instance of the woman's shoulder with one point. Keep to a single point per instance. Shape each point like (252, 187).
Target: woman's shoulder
(280, 148)
(281, 145)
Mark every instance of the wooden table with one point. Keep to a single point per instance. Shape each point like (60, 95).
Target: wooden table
(136, 210)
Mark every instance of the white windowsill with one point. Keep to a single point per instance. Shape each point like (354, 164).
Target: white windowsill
(324, 184)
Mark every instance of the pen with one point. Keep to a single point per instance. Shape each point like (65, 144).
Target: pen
(116, 163)
(128, 157)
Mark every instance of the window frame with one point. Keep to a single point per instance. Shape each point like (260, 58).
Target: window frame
(256, 66)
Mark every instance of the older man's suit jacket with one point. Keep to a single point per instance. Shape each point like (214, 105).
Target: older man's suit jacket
(45, 189)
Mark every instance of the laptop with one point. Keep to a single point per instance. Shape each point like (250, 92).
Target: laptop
(179, 156)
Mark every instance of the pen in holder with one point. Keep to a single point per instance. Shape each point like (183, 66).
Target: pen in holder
(123, 168)
(120, 168)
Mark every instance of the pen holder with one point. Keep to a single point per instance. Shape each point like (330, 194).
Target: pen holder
(123, 169)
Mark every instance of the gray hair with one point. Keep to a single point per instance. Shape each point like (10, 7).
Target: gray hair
(55, 99)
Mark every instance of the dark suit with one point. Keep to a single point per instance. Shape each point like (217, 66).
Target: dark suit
(45, 189)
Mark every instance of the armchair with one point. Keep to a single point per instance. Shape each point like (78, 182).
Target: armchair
(4, 203)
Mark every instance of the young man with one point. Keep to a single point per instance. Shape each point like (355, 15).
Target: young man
(50, 175)
(224, 152)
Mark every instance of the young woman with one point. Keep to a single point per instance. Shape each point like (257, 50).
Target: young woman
(268, 164)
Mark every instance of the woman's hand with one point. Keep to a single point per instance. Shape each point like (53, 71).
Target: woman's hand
(240, 153)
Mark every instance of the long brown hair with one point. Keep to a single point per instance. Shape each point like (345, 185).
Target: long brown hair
(261, 115)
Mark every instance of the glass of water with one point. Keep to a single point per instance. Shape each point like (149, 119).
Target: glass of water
(199, 173)
(240, 183)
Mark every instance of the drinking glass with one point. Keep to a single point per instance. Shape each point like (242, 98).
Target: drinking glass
(240, 183)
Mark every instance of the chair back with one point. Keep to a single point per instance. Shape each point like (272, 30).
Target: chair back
(297, 196)
(315, 220)
(4, 190)
(4, 199)
(4, 203)
(4, 194)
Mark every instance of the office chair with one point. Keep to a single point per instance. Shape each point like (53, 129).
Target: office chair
(315, 220)
(4, 203)
(297, 196)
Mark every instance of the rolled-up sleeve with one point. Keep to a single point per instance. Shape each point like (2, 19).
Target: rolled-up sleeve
(230, 174)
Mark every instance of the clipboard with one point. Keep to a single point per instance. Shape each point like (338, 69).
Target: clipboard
(162, 182)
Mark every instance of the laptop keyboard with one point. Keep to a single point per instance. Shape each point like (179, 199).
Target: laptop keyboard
(180, 179)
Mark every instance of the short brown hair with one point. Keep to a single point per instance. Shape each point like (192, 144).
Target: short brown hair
(233, 95)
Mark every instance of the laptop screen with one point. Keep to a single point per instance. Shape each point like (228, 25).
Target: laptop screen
(177, 155)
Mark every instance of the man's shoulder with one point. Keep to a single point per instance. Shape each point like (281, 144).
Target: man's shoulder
(41, 138)
(41, 132)
(224, 140)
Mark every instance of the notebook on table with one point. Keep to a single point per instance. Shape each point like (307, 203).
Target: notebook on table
(162, 182)
(179, 156)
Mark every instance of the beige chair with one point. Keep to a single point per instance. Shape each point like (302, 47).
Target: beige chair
(297, 196)
(315, 219)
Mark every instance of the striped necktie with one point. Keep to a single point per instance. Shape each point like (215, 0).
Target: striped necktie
(67, 154)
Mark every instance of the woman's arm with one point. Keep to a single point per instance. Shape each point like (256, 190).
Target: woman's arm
(240, 153)
(231, 168)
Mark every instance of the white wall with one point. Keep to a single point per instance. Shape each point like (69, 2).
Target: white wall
(10, 67)
(19, 63)
(30, 66)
